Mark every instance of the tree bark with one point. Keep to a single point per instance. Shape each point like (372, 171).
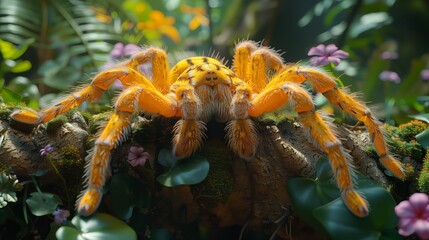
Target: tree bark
(252, 193)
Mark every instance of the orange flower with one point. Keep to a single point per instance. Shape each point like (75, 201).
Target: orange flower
(199, 19)
(162, 24)
(101, 15)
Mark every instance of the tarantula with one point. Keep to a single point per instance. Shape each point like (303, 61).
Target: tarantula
(197, 89)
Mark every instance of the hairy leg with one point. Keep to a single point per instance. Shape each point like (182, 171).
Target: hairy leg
(325, 84)
(323, 134)
(241, 132)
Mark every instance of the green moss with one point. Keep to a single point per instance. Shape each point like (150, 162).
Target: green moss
(411, 149)
(97, 121)
(217, 187)
(55, 124)
(277, 117)
(402, 140)
(5, 168)
(408, 131)
(71, 165)
(87, 116)
(423, 181)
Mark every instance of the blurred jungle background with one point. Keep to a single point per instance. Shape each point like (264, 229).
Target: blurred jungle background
(48, 47)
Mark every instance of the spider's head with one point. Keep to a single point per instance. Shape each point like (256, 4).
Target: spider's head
(209, 74)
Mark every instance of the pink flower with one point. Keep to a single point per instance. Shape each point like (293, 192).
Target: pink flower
(389, 76)
(46, 149)
(425, 74)
(325, 54)
(414, 216)
(120, 50)
(389, 55)
(60, 216)
(138, 156)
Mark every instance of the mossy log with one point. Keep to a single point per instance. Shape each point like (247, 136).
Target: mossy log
(237, 192)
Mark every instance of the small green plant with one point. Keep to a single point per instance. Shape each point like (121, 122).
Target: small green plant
(318, 202)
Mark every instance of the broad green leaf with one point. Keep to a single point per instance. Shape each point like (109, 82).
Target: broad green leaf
(24, 87)
(10, 96)
(43, 203)
(307, 194)
(64, 79)
(423, 138)
(99, 226)
(422, 117)
(9, 51)
(21, 66)
(166, 158)
(187, 171)
(340, 223)
(318, 202)
(127, 192)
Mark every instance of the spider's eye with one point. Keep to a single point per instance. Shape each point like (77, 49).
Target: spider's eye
(214, 77)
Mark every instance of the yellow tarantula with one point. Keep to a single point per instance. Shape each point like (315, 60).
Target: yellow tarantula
(197, 89)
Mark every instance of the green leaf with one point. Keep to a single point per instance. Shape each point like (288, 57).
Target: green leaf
(318, 202)
(99, 226)
(187, 171)
(166, 158)
(8, 186)
(10, 96)
(21, 66)
(340, 223)
(24, 87)
(422, 117)
(41, 203)
(127, 192)
(423, 138)
(307, 194)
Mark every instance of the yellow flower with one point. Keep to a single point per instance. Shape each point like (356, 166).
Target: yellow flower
(101, 15)
(199, 19)
(162, 24)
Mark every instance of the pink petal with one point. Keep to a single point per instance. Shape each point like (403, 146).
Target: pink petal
(130, 49)
(330, 49)
(319, 61)
(419, 201)
(319, 50)
(340, 54)
(117, 51)
(422, 229)
(404, 210)
(133, 149)
(425, 74)
(406, 226)
(132, 156)
(334, 60)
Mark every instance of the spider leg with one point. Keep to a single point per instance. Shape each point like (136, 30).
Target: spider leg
(276, 96)
(159, 61)
(99, 84)
(98, 167)
(326, 85)
(242, 60)
(189, 131)
(144, 97)
(241, 132)
(262, 60)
